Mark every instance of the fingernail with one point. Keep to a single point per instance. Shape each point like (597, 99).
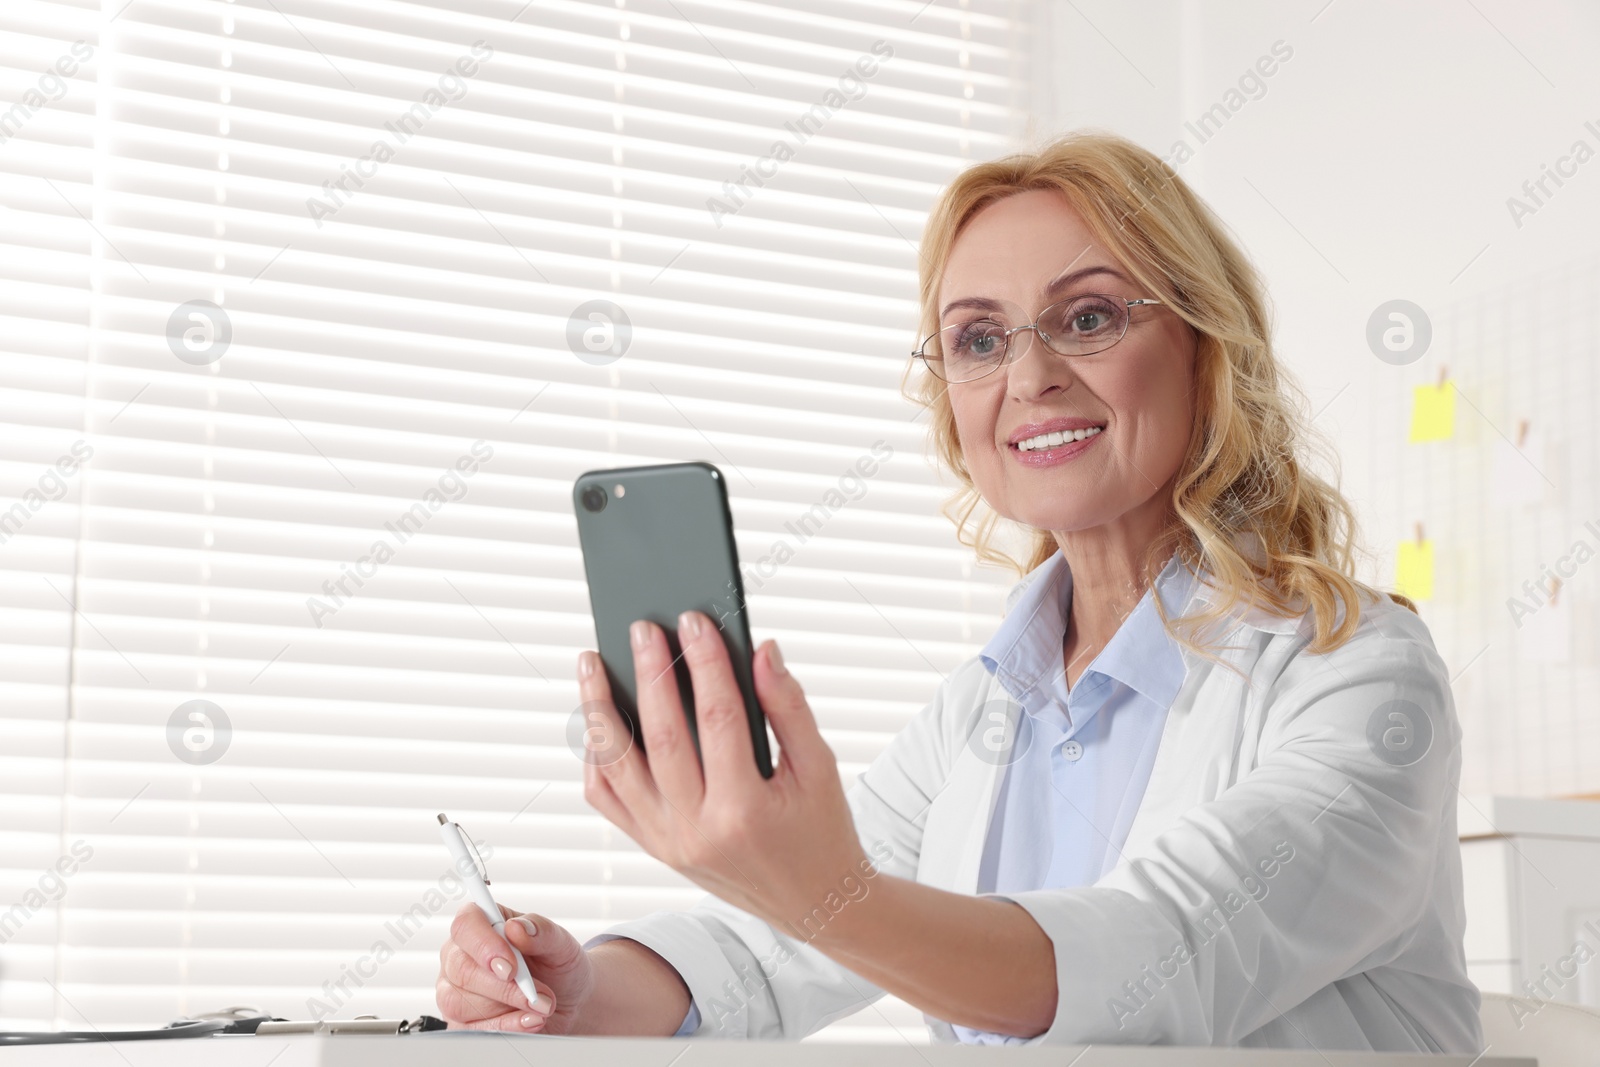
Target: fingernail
(541, 1004)
(689, 625)
(775, 658)
(530, 1020)
(527, 924)
(501, 967)
(639, 632)
(586, 665)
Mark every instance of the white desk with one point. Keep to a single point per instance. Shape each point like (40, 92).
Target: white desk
(495, 1050)
(1531, 874)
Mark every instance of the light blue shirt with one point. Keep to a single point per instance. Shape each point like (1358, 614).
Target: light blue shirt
(1077, 769)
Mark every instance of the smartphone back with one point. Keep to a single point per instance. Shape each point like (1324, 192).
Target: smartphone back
(660, 543)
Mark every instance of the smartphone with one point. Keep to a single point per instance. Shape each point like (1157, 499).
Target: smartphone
(658, 541)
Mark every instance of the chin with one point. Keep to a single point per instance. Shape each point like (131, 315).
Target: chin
(1063, 520)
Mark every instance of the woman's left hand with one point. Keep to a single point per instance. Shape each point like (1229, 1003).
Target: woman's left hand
(775, 847)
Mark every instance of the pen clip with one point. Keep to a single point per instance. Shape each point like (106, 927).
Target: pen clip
(477, 857)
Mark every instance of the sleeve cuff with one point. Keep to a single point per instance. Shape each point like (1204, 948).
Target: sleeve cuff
(691, 950)
(1087, 966)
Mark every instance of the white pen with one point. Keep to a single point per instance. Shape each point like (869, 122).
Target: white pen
(455, 839)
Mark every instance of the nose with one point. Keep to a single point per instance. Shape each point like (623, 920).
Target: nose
(1035, 370)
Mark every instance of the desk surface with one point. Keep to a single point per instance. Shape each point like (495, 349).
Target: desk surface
(1493, 816)
(499, 1050)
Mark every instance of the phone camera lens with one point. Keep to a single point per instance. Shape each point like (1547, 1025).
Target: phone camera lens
(594, 498)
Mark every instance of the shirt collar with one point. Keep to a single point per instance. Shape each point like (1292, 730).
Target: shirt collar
(1141, 654)
(1203, 591)
(1029, 637)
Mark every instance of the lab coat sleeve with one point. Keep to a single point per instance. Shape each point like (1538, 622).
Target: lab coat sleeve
(1312, 867)
(747, 979)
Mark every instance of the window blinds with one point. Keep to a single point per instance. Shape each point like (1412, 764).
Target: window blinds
(313, 311)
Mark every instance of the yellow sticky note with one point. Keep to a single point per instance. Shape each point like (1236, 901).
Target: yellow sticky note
(1414, 570)
(1433, 412)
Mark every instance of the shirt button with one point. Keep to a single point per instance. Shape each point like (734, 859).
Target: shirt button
(1072, 750)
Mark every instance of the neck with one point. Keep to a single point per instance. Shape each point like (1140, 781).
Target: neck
(1108, 564)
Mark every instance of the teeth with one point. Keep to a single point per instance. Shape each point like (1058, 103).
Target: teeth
(1052, 440)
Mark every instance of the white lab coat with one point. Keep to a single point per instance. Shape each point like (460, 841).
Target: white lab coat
(1292, 877)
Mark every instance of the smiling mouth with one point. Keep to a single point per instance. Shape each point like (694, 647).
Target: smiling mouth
(1057, 439)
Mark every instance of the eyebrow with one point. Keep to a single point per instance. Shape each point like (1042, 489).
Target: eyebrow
(1062, 281)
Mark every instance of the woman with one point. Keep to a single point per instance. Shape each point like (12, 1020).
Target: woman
(1198, 789)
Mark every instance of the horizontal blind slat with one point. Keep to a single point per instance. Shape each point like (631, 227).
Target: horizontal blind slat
(373, 337)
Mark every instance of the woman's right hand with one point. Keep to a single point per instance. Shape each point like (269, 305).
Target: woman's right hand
(477, 986)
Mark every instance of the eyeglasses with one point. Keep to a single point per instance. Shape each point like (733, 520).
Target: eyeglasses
(1076, 326)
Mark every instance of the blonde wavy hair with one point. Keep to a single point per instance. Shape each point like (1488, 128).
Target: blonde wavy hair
(1269, 531)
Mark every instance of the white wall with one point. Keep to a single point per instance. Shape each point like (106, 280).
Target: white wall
(1377, 164)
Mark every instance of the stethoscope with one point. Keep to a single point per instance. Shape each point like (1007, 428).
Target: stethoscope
(239, 1019)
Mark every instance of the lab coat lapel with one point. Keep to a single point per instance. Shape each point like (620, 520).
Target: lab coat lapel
(1196, 761)
(958, 819)
(952, 846)
(1197, 758)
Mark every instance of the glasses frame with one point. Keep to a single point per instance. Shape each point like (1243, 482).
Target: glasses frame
(1008, 357)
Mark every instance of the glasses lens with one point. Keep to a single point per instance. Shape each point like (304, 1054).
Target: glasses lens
(1084, 324)
(967, 350)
